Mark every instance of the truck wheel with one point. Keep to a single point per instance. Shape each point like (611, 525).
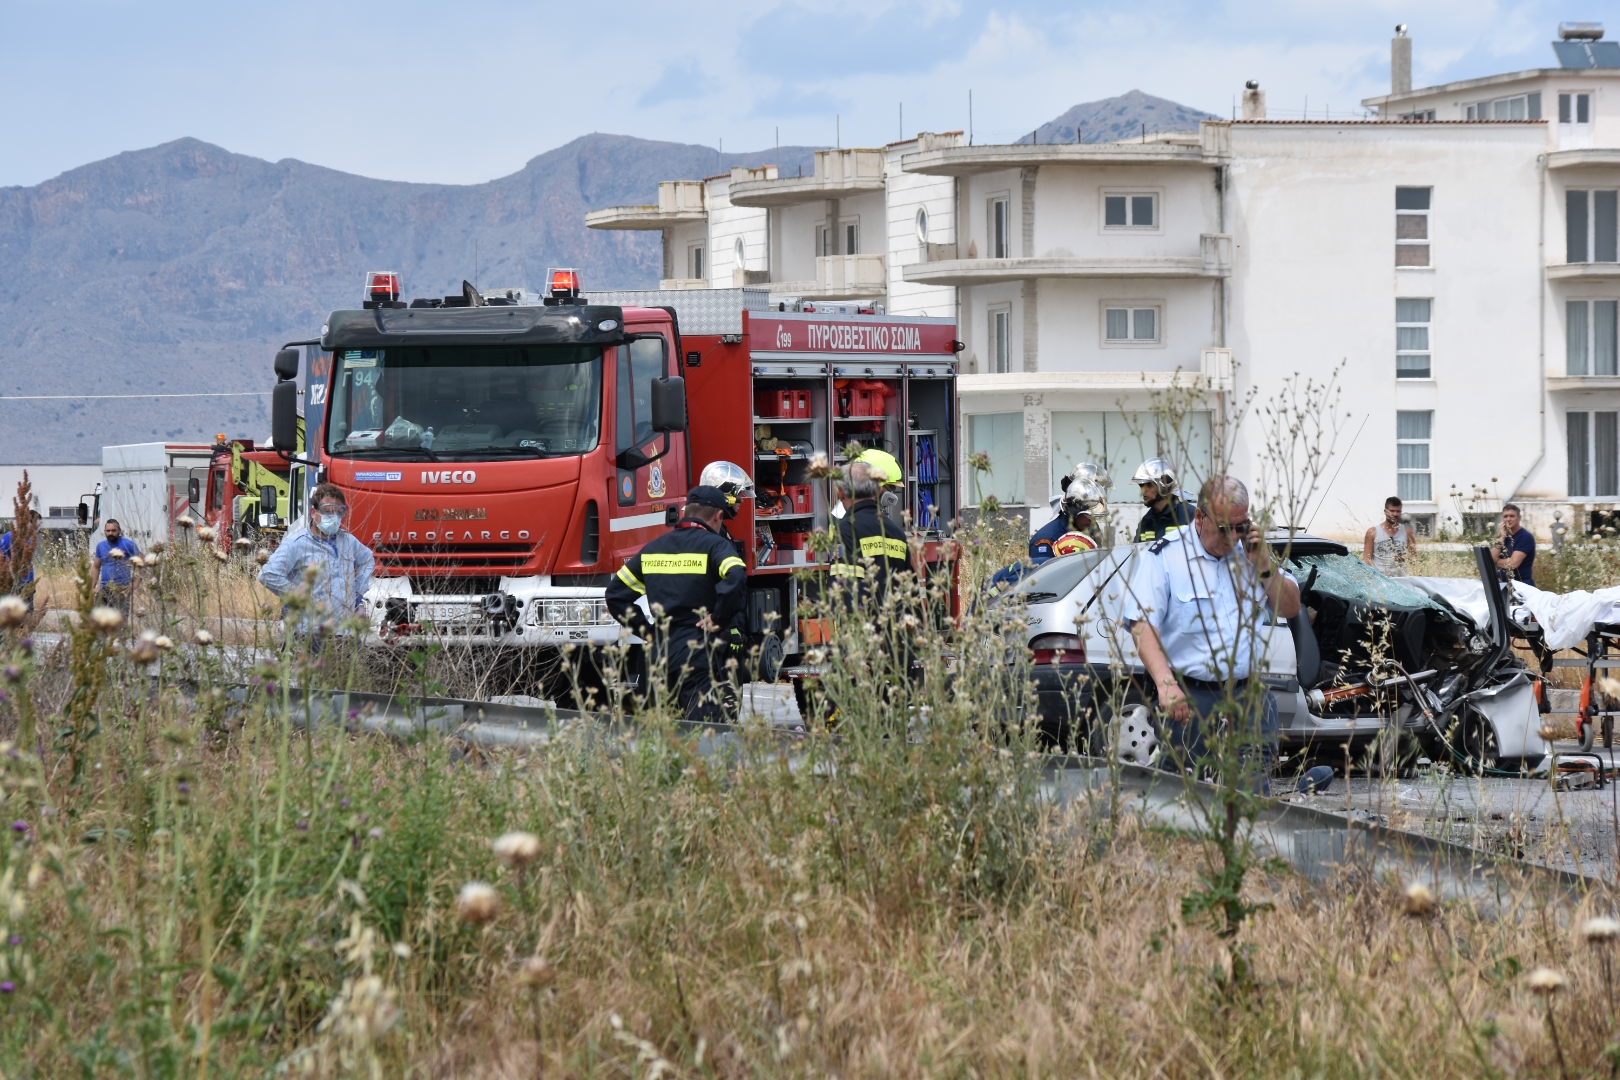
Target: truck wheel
(1124, 730)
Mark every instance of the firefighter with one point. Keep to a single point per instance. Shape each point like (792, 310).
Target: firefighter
(886, 471)
(1089, 486)
(872, 548)
(1166, 510)
(695, 584)
(734, 483)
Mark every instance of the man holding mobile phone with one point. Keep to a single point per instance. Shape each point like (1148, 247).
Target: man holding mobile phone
(1196, 605)
(1515, 549)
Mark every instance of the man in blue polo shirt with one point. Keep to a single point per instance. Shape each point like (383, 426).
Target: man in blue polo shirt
(1197, 601)
(114, 575)
(18, 557)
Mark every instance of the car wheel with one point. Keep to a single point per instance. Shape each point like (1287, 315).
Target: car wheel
(1125, 730)
(1473, 743)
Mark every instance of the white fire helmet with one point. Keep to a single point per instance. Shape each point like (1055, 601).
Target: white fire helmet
(1156, 471)
(730, 478)
(1083, 497)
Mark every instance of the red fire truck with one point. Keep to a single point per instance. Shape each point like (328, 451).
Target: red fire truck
(504, 457)
(247, 495)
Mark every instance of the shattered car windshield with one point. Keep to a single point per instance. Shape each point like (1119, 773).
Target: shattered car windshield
(1350, 579)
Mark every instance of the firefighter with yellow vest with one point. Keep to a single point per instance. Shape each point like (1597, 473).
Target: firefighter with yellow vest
(695, 585)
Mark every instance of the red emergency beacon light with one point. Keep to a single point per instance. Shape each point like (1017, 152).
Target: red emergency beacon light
(382, 288)
(562, 287)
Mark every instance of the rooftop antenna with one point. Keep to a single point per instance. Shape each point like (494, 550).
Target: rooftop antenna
(900, 131)
(970, 117)
(838, 130)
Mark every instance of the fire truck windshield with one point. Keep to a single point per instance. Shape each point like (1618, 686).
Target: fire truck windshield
(466, 403)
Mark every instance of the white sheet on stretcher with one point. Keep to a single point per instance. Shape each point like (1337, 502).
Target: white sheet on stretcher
(1565, 618)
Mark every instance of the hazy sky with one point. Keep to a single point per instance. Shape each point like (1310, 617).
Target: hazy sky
(463, 91)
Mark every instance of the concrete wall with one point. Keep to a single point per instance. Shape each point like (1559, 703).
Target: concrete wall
(1312, 213)
(728, 224)
(1069, 211)
(1071, 323)
(906, 194)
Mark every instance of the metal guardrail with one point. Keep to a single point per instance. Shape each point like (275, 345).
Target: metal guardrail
(1316, 843)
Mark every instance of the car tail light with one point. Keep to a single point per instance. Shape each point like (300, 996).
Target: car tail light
(1057, 649)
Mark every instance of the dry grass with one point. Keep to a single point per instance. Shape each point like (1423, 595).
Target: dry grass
(194, 888)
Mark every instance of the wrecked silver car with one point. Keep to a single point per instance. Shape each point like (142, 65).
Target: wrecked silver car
(1367, 656)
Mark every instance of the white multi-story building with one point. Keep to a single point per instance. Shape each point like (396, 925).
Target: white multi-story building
(1451, 266)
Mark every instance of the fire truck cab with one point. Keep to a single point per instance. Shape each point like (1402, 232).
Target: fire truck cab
(504, 457)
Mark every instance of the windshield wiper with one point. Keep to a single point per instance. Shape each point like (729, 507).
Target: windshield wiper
(389, 452)
(1038, 597)
(509, 451)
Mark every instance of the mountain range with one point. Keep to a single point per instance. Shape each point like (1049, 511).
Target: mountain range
(129, 283)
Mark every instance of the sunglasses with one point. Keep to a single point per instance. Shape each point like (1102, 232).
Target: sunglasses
(333, 508)
(1241, 528)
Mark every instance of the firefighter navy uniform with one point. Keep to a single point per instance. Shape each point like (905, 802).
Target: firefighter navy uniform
(690, 571)
(1157, 524)
(872, 551)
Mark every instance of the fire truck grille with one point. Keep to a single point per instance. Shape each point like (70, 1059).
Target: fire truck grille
(460, 585)
(437, 560)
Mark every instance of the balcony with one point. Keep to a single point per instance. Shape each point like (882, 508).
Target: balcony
(839, 174)
(1096, 382)
(840, 277)
(967, 160)
(1586, 271)
(1213, 261)
(1574, 159)
(1574, 383)
(680, 202)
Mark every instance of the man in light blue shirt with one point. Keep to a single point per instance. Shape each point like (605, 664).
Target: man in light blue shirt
(339, 564)
(1196, 606)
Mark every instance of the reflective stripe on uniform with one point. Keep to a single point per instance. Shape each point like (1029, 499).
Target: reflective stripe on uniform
(843, 569)
(683, 563)
(874, 546)
(629, 578)
(728, 563)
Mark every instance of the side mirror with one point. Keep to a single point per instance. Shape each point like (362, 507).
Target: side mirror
(84, 513)
(287, 364)
(193, 491)
(669, 403)
(284, 416)
(269, 499)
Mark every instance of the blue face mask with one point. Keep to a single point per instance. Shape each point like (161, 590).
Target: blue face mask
(330, 523)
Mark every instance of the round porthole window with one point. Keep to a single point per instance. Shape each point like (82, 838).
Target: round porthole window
(922, 226)
(741, 252)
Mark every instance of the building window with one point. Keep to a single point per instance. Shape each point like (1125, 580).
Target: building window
(740, 251)
(1130, 210)
(1412, 431)
(824, 240)
(1412, 338)
(1590, 226)
(1422, 524)
(694, 261)
(999, 224)
(1590, 339)
(1574, 108)
(1594, 454)
(1118, 441)
(1516, 107)
(1421, 114)
(1001, 339)
(850, 229)
(1001, 437)
(922, 226)
(1412, 226)
(1131, 325)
